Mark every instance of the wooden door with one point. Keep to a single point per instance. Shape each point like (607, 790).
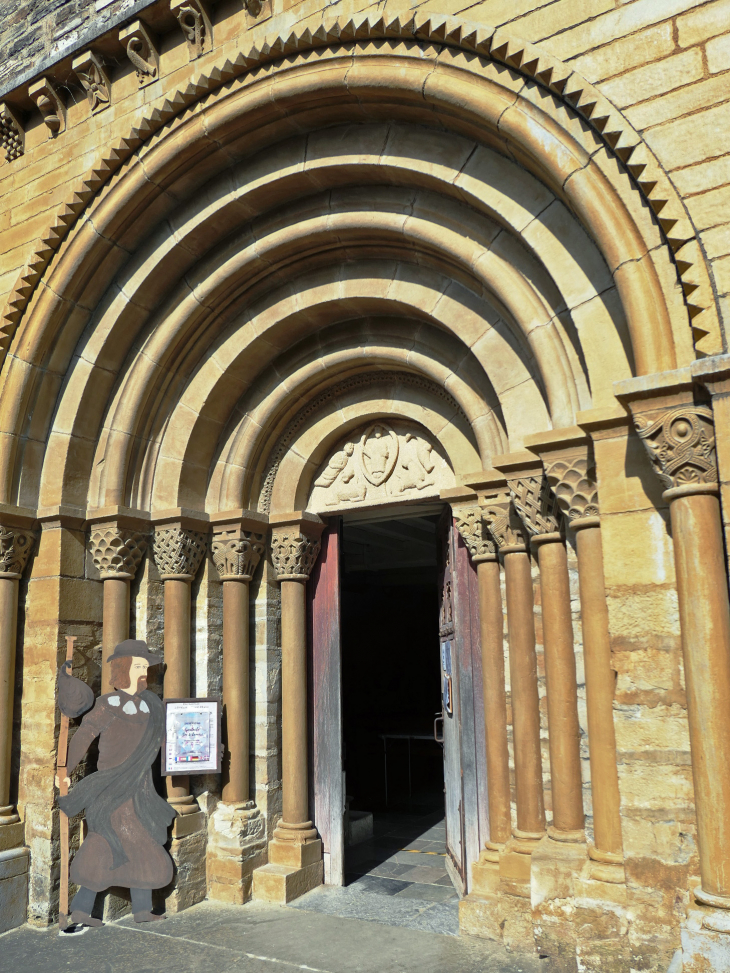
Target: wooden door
(327, 795)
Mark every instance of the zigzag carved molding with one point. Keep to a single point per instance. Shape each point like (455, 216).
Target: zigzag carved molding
(574, 91)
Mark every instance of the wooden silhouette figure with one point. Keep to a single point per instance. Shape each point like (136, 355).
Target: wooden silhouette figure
(127, 820)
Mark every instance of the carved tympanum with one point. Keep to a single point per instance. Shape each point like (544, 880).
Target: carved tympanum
(381, 462)
(50, 104)
(535, 503)
(141, 51)
(680, 443)
(178, 551)
(12, 134)
(193, 18)
(503, 522)
(471, 526)
(573, 479)
(116, 552)
(293, 552)
(236, 553)
(16, 545)
(90, 72)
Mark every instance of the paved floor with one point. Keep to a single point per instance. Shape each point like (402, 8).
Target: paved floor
(254, 938)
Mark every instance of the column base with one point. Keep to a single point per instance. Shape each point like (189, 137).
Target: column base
(14, 863)
(555, 866)
(12, 835)
(236, 847)
(706, 940)
(515, 865)
(295, 866)
(479, 912)
(188, 851)
(601, 923)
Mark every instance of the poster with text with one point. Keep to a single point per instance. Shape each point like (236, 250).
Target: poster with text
(192, 737)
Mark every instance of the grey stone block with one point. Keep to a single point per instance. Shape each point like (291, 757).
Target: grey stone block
(13, 888)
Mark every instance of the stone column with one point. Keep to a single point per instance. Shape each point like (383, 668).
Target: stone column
(117, 549)
(16, 545)
(178, 549)
(237, 842)
(295, 852)
(506, 528)
(676, 427)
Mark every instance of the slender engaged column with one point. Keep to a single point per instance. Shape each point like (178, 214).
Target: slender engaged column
(178, 551)
(680, 439)
(236, 553)
(506, 529)
(538, 510)
(483, 553)
(117, 551)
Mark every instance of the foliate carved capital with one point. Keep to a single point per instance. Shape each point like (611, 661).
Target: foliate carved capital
(141, 51)
(473, 530)
(503, 522)
(293, 553)
(117, 552)
(572, 476)
(90, 71)
(193, 17)
(535, 504)
(12, 133)
(50, 105)
(237, 552)
(16, 544)
(680, 442)
(178, 552)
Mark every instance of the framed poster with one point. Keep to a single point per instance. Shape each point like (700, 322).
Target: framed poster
(192, 737)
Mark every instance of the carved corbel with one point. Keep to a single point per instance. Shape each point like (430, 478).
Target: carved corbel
(50, 105)
(193, 17)
(237, 551)
(178, 551)
(91, 73)
(473, 530)
(141, 51)
(12, 133)
(504, 523)
(16, 545)
(116, 551)
(294, 550)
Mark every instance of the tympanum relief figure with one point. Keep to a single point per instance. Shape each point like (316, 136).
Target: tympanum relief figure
(382, 462)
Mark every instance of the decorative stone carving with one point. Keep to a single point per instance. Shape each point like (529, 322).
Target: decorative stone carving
(195, 22)
(50, 105)
(504, 523)
(471, 526)
(572, 476)
(379, 463)
(116, 552)
(16, 544)
(293, 552)
(12, 133)
(236, 553)
(535, 503)
(90, 72)
(446, 601)
(141, 51)
(680, 443)
(178, 552)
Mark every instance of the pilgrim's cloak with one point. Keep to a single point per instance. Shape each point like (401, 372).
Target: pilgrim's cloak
(127, 819)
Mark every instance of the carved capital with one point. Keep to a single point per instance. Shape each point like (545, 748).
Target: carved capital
(196, 24)
(535, 503)
(90, 72)
(50, 105)
(680, 442)
(141, 51)
(12, 133)
(471, 526)
(117, 552)
(178, 552)
(504, 524)
(16, 544)
(293, 552)
(572, 475)
(236, 553)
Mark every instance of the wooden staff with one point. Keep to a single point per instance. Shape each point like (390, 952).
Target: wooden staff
(61, 759)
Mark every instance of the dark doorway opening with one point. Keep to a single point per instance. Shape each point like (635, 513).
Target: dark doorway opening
(391, 695)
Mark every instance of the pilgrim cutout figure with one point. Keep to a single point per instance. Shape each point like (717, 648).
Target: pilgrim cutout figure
(127, 820)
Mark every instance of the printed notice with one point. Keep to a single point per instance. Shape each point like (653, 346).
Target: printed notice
(192, 736)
